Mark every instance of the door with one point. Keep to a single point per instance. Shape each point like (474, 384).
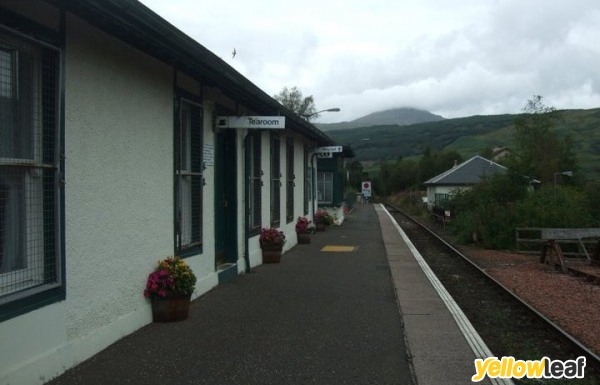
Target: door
(225, 199)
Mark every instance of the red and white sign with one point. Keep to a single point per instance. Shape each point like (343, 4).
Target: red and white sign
(366, 189)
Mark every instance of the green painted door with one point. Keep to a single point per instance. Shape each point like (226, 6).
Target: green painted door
(225, 198)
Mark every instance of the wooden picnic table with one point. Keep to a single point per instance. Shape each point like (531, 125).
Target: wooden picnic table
(552, 253)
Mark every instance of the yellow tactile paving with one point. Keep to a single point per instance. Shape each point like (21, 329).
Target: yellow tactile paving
(339, 248)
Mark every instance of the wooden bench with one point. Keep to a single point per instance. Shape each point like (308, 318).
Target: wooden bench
(551, 251)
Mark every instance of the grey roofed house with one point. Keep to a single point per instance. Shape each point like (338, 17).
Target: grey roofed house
(467, 173)
(462, 176)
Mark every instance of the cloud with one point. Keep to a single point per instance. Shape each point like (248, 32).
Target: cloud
(453, 58)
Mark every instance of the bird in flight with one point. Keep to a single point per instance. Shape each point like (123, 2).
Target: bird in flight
(233, 53)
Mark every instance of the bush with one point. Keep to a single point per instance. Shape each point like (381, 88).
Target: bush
(569, 210)
(496, 207)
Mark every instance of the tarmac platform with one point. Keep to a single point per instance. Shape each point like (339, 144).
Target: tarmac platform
(355, 306)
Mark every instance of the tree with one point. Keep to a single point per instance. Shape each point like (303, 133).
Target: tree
(434, 163)
(355, 171)
(541, 152)
(293, 100)
(487, 152)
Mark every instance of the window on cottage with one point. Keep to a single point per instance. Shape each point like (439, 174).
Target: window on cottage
(275, 180)
(325, 187)
(442, 200)
(253, 159)
(289, 203)
(29, 168)
(307, 180)
(188, 175)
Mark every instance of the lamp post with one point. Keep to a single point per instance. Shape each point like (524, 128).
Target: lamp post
(318, 112)
(567, 173)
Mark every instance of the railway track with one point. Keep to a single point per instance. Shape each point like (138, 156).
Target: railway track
(508, 325)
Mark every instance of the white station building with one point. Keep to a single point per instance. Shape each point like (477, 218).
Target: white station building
(122, 142)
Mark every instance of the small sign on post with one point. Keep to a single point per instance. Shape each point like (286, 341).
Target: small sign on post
(366, 190)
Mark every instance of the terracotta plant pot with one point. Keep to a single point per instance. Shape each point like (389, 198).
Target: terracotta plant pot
(303, 238)
(271, 255)
(172, 308)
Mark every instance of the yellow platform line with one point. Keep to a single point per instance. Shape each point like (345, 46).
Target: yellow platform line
(338, 249)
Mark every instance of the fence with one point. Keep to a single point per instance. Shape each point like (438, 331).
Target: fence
(529, 240)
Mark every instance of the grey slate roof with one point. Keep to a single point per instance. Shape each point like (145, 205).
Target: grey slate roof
(467, 173)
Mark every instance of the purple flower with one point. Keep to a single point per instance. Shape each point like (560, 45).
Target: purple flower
(171, 274)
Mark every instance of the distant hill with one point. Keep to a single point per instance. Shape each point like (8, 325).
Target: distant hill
(468, 136)
(398, 116)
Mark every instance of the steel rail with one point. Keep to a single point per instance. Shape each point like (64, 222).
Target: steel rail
(584, 349)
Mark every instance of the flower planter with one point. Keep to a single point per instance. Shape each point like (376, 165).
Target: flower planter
(271, 254)
(172, 308)
(271, 242)
(303, 238)
(321, 226)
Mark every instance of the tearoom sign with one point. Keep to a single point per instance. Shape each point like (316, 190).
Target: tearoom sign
(262, 122)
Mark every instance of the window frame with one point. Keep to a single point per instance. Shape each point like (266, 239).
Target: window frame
(290, 180)
(255, 183)
(188, 176)
(307, 180)
(275, 180)
(325, 186)
(442, 200)
(41, 171)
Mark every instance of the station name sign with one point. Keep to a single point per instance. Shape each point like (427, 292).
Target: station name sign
(268, 122)
(328, 149)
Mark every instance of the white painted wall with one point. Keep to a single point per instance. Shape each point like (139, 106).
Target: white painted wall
(119, 194)
(433, 190)
(119, 207)
(119, 202)
(289, 229)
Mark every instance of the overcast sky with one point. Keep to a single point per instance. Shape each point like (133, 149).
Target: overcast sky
(451, 57)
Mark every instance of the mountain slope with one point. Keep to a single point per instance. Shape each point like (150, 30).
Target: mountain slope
(468, 136)
(398, 116)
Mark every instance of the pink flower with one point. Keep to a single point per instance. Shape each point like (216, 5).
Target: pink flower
(271, 237)
(171, 274)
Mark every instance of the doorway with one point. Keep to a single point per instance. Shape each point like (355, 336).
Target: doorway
(226, 253)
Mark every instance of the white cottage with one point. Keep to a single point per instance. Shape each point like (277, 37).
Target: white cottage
(460, 177)
(111, 159)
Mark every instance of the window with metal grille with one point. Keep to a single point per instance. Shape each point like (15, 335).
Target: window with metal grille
(188, 176)
(29, 168)
(275, 181)
(325, 187)
(289, 203)
(307, 181)
(253, 158)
